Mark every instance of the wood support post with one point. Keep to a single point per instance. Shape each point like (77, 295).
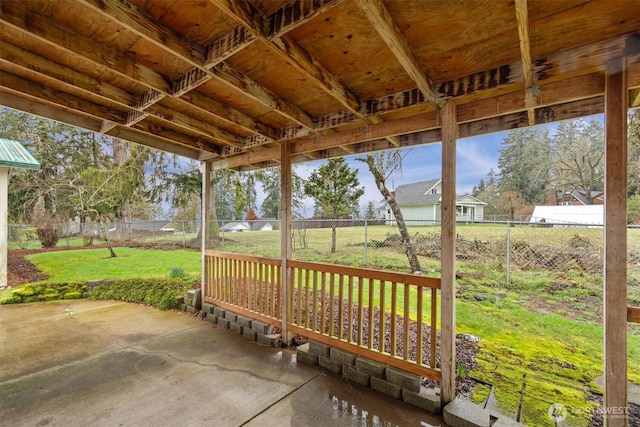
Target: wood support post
(285, 232)
(615, 245)
(207, 197)
(4, 227)
(448, 258)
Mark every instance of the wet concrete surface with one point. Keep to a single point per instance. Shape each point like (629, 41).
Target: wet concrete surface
(97, 363)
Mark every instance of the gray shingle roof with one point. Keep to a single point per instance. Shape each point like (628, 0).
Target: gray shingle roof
(418, 193)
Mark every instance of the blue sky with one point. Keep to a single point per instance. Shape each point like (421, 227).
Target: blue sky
(475, 157)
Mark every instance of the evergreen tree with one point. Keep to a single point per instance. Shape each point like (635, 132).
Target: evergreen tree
(370, 210)
(525, 164)
(336, 189)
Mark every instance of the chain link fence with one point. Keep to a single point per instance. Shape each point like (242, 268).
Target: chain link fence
(505, 248)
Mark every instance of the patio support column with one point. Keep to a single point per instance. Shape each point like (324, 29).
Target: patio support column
(448, 258)
(205, 168)
(4, 227)
(285, 233)
(615, 245)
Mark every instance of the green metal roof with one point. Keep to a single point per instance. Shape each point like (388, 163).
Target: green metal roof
(14, 155)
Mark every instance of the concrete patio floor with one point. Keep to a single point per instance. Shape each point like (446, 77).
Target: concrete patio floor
(97, 363)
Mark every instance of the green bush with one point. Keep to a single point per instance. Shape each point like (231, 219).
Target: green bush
(73, 295)
(177, 272)
(159, 293)
(51, 291)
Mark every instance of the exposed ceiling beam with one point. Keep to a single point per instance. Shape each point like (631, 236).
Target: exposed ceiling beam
(560, 100)
(19, 57)
(20, 85)
(295, 13)
(72, 44)
(292, 52)
(35, 106)
(387, 29)
(522, 16)
(65, 77)
(128, 15)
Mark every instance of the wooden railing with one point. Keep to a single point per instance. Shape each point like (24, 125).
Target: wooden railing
(246, 284)
(373, 313)
(367, 312)
(633, 314)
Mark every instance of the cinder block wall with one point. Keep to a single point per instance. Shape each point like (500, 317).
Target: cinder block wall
(378, 376)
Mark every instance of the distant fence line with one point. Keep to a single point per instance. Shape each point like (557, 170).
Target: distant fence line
(506, 246)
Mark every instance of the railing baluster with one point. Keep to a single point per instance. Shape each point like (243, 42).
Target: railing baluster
(323, 303)
(332, 285)
(340, 307)
(394, 305)
(407, 339)
(419, 320)
(371, 318)
(299, 296)
(382, 317)
(350, 314)
(360, 302)
(315, 302)
(434, 332)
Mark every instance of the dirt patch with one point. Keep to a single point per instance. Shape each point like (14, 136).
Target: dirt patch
(20, 270)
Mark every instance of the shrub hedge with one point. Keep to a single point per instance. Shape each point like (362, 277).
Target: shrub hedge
(46, 292)
(159, 293)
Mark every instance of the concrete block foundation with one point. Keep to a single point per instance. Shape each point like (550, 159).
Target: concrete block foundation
(378, 376)
(464, 413)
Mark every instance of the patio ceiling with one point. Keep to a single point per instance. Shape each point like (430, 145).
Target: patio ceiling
(226, 81)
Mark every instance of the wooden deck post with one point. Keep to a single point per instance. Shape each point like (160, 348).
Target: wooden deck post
(615, 245)
(285, 232)
(448, 258)
(207, 196)
(4, 228)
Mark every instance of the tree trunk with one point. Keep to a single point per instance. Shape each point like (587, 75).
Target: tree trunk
(409, 250)
(333, 237)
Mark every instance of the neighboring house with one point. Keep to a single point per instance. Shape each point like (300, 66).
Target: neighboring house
(420, 201)
(586, 215)
(236, 227)
(575, 198)
(264, 224)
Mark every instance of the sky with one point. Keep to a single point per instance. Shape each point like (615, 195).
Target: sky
(475, 156)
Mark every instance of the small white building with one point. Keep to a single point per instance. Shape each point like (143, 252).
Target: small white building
(420, 201)
(236, 227)
(585, 215)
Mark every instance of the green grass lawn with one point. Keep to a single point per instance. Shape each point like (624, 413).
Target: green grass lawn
(95, 264)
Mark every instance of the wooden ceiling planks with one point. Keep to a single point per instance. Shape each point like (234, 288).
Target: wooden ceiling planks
(230, 78)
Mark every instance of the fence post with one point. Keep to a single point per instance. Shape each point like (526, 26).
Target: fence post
(365, 241)
(508, 267)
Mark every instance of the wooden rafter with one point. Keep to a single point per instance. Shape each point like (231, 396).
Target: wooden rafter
(36, 106)
(387, 29)
(128, 15)
(292, 52)
(522, 16)
(66, 77)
